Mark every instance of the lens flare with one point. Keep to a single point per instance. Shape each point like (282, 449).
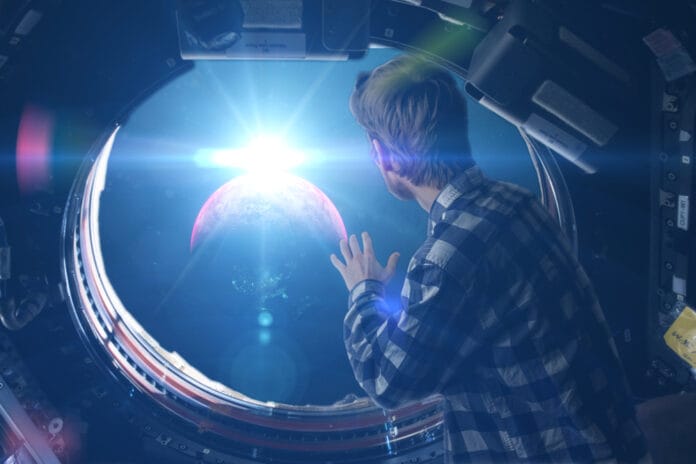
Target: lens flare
(34, 142)
(263, 153)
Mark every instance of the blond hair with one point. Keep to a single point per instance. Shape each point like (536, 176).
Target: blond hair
(418, 114)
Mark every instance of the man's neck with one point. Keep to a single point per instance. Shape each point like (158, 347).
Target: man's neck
(425, 196)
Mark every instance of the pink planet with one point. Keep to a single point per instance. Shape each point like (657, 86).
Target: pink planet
(277, 201)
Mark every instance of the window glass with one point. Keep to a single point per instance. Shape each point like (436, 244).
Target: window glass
(239, 282)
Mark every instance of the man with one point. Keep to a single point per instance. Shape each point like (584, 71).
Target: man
(497, 315)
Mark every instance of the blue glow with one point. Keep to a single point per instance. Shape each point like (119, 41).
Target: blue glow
(265, 336)
(264, 153)
(392, 307)
(265, 319)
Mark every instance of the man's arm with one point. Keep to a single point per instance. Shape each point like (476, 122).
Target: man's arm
(415, 353)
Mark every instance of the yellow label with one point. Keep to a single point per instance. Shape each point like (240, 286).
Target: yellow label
(681, 336)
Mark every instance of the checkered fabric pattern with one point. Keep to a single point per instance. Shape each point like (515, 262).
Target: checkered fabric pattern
(500, 319)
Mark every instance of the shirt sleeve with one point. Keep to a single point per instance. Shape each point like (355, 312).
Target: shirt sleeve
(414, 353)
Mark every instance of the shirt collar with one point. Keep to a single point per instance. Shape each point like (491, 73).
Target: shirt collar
(460, 185)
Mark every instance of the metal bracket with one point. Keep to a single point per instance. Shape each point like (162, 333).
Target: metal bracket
(18, 421)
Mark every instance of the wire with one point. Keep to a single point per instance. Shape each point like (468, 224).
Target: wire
(554, 190)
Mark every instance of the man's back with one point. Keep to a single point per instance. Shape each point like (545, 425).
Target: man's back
(500, 318)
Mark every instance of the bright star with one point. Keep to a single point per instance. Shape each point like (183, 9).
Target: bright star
(262, 154)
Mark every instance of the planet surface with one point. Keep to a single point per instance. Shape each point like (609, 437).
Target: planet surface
(262, 296)
(275, 200)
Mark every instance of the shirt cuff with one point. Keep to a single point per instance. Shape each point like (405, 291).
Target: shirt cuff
(364, 287)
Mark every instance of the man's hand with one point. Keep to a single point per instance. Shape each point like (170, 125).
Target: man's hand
(362, 265)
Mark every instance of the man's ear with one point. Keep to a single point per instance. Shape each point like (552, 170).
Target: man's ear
(381, 156)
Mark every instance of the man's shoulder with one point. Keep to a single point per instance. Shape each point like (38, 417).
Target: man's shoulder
(481, 213)
(471, 224)
(493, 197)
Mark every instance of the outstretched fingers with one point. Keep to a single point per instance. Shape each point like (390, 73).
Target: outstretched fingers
(367, 244)
(358, 265)
(390, 269)
(354, 246)
(345, 250)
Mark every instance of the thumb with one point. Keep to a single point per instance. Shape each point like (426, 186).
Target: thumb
(390, 269)
(340, 267)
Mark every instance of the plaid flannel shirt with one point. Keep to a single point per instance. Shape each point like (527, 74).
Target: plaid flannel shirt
(498, 317)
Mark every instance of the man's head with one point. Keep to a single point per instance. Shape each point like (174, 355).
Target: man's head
(416, 119)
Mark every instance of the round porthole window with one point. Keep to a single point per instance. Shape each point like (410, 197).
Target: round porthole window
(196, 250)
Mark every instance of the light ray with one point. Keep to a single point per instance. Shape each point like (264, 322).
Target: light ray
(239, 117)
(307, 96)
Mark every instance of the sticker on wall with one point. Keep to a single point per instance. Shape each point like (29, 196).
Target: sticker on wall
(681, 336)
